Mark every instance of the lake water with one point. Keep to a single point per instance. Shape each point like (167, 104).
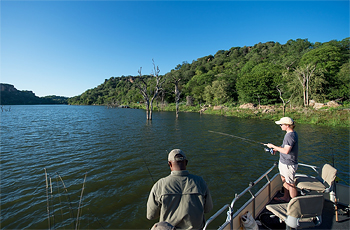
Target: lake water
(122, 155)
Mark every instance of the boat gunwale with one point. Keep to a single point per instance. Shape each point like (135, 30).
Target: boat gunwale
(232, 215)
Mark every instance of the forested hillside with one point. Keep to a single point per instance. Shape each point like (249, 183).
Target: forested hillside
(264, 73)
(9, 95)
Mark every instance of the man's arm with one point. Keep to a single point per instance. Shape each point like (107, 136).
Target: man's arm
(153, 207)
(286, 149)
(208, 206)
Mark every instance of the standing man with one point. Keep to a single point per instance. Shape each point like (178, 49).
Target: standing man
(180, 199)
(288, 163)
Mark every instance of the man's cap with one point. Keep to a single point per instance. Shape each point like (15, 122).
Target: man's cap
(285, 121)
(176, 155)
(162, 226)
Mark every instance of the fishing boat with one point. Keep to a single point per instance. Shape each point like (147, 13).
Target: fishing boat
(325, 208)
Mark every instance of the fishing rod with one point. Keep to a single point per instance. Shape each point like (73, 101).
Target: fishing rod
(244, 139)
(147, 168)
(144, 161)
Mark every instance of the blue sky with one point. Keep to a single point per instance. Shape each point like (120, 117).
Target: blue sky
(66, 47)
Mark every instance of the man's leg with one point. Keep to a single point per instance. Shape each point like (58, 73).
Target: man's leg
(286, 196)
(293, 192)
(289, 181)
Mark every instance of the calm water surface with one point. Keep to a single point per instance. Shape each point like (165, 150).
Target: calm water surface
(122, 155)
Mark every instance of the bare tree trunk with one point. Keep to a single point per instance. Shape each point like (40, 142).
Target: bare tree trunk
(150, 112)
(304, 95)
(142, 85)
(304, 75)
(177, 97)
(284, 103)
(147, 110)
(307, 88)
(177, 110)
(159, 83)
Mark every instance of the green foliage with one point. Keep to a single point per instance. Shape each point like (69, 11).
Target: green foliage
(328, 59)
(11, 96)
(197, 84)
(216, 93)
(259, 85)
(53, 99)
(115, 91)
(342, 83)
(244, 74)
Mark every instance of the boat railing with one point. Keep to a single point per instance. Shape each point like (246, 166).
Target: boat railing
(230, 207)
(316, 168)
(338, 179)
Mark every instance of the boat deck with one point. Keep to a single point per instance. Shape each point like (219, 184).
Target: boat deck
(255, 204)
(328, 218)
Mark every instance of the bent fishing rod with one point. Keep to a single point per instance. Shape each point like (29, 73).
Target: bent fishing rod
(244, 139)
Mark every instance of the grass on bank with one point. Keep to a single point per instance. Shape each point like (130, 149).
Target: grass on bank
(327, 116)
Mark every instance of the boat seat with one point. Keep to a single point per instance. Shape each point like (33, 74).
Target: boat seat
(300, 212)
(321, 183)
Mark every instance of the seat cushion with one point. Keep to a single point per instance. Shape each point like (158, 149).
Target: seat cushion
(328, 174)
(305, 206)
(280, 210)
(309, 183)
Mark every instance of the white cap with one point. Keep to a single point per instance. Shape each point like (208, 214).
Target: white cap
(176, 155)
(285, 121)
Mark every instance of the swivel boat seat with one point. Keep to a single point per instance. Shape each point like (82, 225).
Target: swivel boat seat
(322, 183)
(300, 212)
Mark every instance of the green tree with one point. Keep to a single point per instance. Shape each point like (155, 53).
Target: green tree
(293, 52)
(197, 85)
(220, 91)
(342, 79)
(259, 85)
(328, 60)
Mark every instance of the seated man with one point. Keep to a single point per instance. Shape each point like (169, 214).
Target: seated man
(180, 199)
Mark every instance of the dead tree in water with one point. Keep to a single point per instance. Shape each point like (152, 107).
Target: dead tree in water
(177, 96)
(175, 78)
(148, 90)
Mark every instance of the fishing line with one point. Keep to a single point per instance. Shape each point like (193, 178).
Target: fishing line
(96, 218)
(244, 139)
(147, 168)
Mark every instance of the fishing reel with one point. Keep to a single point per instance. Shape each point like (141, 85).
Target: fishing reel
(269, 150)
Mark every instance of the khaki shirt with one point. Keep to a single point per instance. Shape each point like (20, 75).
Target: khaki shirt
(180, 199)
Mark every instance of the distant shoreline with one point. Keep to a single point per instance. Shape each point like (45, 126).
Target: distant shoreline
(332, 117)
(327, 116)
